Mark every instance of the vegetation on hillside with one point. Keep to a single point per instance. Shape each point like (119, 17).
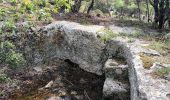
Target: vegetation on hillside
(13, 12)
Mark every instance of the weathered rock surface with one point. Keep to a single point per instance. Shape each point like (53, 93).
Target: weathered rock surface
(67, 40)
(116, 86)
(112, 69)
(143, 85)
(115, 90)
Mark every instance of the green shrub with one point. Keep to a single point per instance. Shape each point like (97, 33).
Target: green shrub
(43, 15)
(97, 11)
(14, 59)
(119, 4)
(108, 34)
(13, 1)
(28, 4)
(4, 77)
(9, 55)
(9, 26)
(5, 47)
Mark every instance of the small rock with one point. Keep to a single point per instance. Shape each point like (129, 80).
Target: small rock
(59, 98)
(111, 62)
(167, 77)
(62, 92)
(82, 81)
(56, 90)
(78, 97)
(118, 71)
(49, 84)
(38, 69)
(54, 98)
(73, 93)
(167, 36)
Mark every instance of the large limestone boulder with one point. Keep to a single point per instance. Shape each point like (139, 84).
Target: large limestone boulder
(67, 40)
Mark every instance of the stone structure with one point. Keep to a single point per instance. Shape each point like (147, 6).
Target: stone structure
(79, 44)
(143, 85)
(116, 86)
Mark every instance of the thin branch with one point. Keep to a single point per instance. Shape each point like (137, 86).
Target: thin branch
(85, 93)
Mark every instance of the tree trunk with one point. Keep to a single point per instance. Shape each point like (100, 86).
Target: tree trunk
(162, 14)
(148, 12)
(167, 8)
(76, 7)
(90, 7)
(156, 16)
(139, 12)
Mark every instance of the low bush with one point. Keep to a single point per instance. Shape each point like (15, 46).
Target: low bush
(4, 77)
(9, 55)
(108, 34)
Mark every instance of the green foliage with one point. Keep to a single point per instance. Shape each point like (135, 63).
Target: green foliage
(63, 3)
(13, 1)
(132, 6)
(44, 16)
(28, 5)
(84, 6)
(14, 59)
(163, 71)
(104, 5)
(9, 55)
(9, 26)
(119, 4)
(130, 40)
(108, 34)
(97, 11)
(161, 46)
(4, 77)
(32, 10)
(137, 34)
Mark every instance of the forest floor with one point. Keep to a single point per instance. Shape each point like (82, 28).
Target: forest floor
(57, 80)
